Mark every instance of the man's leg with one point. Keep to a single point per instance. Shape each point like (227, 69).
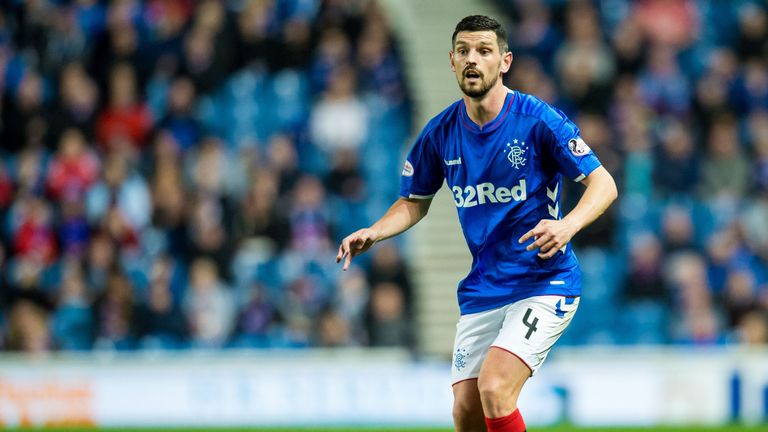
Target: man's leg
(501, 380)
(474, 335)
(467, 408)
(530, 328)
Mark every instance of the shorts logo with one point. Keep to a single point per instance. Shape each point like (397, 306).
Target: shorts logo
(408, 169)
(578, 147)
(460, 359)
(515, 154)
(564, 305)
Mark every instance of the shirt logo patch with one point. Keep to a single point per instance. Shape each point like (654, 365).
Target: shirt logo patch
(578, 147)
(515, 153)
(408, 169)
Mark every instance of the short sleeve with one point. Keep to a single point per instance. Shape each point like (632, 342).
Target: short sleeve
(422, 174)
(562, 141)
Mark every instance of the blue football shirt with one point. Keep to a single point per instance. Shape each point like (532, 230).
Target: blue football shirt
(505, 177)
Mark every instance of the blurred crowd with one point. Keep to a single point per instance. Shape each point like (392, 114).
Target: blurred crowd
(178, 173)
(673, 97)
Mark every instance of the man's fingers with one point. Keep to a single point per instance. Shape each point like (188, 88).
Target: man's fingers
(348, 261)
(352, 246)
(537, 231)
(547, 246)
(343, 250)
(525, 237)
(540, 241)
(550, 254)
(340, 255)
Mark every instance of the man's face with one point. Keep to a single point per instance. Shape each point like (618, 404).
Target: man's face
(478, 62)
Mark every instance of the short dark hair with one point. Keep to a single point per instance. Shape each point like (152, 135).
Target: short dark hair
(474, 23)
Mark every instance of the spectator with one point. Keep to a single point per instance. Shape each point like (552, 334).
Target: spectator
(388, 325)
(663, 85)
(536, 35)
(753, 32)
(583, 61)
(332, 54)
(739, 296)
(387, 265)
(78, 103)
(339, 120)
(25, 120)
(179, 118)
(27, 328)
(74, 169)
(102, 257)
(333, 330)
(260, 215)
(207, 235)
(284, 160)
(160, 322)
(114, 314)
(66, 40)
(258, 320)
(380, 73)
(125, 123)
(753, 328)
(676, 168)
(30, 172)
(74, 231)
(122, 194)
(34, 237)
(677, 229)
(698, 324)
(725, 169)
(350, 302)
(72, 321)
(308, 218)
(208, 306)
(645, 278)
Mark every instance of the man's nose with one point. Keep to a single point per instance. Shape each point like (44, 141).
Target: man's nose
(472, 57)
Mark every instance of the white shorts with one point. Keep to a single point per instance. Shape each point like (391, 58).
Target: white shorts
(527, 329)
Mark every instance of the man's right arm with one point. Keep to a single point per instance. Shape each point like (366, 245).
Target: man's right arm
(403, 214)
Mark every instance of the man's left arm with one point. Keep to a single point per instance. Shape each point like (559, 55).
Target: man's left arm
(551, 235)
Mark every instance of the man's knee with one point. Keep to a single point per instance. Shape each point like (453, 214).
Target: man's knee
(501, 379)
(492, 388)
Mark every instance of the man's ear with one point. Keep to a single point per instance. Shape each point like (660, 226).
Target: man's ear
(450, 56)
(506, 62)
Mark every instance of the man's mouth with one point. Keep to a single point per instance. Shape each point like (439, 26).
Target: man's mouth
(472, 75)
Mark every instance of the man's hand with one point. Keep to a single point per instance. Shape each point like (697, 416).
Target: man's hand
(550, 236)
(355, 244)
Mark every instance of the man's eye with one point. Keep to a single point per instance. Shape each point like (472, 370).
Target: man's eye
(462, 52)
(485, 52)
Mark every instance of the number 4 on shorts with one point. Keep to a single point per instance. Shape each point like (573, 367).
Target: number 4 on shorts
(530, 324)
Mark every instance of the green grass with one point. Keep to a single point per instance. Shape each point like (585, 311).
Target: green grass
(387, 429)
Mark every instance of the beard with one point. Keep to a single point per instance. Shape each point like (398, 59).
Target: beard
(480, 90)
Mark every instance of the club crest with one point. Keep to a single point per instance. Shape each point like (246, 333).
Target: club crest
(460, 359)
(516, 153)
